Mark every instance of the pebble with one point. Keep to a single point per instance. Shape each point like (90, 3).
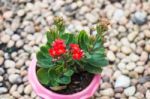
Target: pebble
(9, 64)
(91, 18)
(144, 79)
(134, 57)
(1, 60)
(1, 78)
(2, 71)
(121, 66)
(130, 91)
(147, 48)
(148, 94)
(15, 37)
(20, 12)
(139, 17)
(107, 92)
(118, 14)
(126, 49)
(19, 43)
(132, 36)
(5, 38)
(3, 90)
(130, 66)
(8, 14)
(139, 69)
(10, 44)
(122, 81)
(144, 56)
(14, 78)
(111, 56)
(147, 33)
(28, 89)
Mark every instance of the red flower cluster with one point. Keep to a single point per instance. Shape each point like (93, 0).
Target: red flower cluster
(76, 51)
(58, 48)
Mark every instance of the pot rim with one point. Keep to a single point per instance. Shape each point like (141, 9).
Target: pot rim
(43, 92)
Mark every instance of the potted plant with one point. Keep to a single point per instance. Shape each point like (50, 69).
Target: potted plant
(68, 66)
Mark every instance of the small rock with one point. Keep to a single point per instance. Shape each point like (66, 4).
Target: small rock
(144, 56)
(119, 90)
(28, 89)
(19, 43)
(1, 78)
(133, 74)
(122, 81)
(105, 85)
(148, 94)
(130, 91)
(16, 94)
(3, 90)
(19, 63)
(9, 64)
(92, 18)
(139, 17)
(14, 78)
(118, 14)
(139, 69)
(147, 48)
(132, 97)
(130, 66)
(13, 88)
(15, 37)
(5, 38)
(126, 49)
(1, 60)
(8, 14)
(133, 57)
(147, 33)
(121, 66)
(139, 95)
(10, 44)
(21, 12)
(144, 79)
(107, 92)
(20, 89)
(2, 71)
(132, 36)
(111, 56)
(29, 29)
(113, 48)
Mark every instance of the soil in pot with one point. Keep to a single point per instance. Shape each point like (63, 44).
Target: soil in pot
(78, 83)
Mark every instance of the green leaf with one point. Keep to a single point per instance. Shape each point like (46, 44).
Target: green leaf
(92, 69)
(97, 60)
(42, 75)
(44, 49)
(44, 60)
(64, 80)
(51, 36)
(69, 72)
(83, 40)
(69, 38)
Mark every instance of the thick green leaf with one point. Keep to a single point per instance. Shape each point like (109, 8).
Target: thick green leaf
(69, 72)
(92, 69)
(51, 35)
(44, 60)
(83, 40)
(97, 60)
(44, 49)
(64, 80)
(69, 38)
(42, 75)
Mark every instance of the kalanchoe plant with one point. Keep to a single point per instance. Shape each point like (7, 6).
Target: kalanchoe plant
(65, 54)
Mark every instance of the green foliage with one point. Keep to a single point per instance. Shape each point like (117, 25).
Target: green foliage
(55, 71)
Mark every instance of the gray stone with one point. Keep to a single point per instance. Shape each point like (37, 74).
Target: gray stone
(139, 17)
(3, 90)
(15, 78)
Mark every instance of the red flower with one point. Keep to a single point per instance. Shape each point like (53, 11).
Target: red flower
(77, 53)
(52, 52)
(58, 48)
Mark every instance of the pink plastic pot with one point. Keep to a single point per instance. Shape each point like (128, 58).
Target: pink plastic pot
(47, 94)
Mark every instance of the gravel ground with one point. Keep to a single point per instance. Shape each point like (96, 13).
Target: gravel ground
(23, 23)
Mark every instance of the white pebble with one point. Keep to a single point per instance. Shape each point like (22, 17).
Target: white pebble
(14, 78)
(3, 90)
(9, 64)
(130, 91)
(139, 69)
(1, 60)
(126, 49)
(132, 36)
(148, 94)
(122, 81)
(111, 56)
(15, 37)
(5, 38)
(28, 89)
(130, 66)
